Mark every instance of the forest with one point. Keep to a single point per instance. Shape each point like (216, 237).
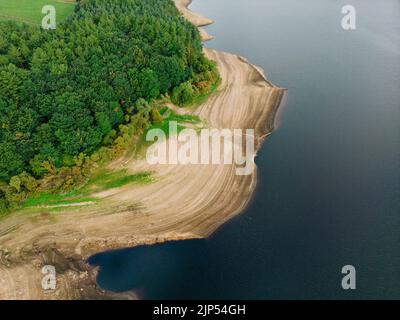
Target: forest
(74, 96)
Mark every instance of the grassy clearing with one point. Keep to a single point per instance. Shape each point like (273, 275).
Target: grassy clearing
(184, 121)
(30, 11)
(49, 200)
(115, 179)
(169, 115)
(103, 180)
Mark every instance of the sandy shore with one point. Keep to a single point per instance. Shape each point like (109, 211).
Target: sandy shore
(195, 18)
(186, 202)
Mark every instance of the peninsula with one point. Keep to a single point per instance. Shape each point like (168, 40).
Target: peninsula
(184, 202)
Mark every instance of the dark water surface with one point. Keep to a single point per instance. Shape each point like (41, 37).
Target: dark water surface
(329, 189)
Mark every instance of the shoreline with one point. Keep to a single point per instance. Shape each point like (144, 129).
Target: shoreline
(195, 18)
(186, 202)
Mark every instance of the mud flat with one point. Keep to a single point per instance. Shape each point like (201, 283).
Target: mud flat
(185, 202)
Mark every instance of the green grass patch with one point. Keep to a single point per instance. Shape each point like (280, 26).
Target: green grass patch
(184, 118)
(102, 181)
(30, 11)
(46, 199)
(183, 122)
(169, 115)
(115, 179)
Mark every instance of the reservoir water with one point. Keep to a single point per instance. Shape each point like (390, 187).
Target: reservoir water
(329, 176)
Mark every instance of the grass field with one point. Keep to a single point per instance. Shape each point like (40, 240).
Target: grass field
(103, 180)
(30, 11)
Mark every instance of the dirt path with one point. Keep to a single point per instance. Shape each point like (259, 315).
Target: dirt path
(186, 201)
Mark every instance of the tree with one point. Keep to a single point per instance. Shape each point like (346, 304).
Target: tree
(184, 94)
